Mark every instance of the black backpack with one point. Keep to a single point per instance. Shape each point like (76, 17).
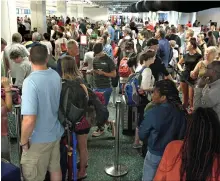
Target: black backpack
(73, 103)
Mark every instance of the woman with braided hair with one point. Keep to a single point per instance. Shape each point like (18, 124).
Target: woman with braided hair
(198, 156)
(163, 123)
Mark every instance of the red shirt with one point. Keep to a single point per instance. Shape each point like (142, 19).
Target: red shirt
(189, 24)
(60, 23)
(150, 27)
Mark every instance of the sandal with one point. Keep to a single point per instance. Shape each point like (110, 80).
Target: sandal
(81, 178)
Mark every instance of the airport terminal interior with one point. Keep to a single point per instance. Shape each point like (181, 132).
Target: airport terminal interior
(110, 90)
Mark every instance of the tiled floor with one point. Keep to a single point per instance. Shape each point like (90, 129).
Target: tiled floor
(101, 153)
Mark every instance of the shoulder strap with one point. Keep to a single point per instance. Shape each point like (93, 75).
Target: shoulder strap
(143, 68)
(65, 96)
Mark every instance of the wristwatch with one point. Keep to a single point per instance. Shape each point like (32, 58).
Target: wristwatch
(23, 144)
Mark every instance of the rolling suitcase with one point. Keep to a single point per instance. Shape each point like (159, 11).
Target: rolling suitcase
(129, 118)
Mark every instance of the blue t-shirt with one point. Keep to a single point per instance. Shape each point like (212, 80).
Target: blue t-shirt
(41, 97)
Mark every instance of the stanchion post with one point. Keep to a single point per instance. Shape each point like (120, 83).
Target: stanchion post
(114, 96)
(117, 129)
(117, 170)
(18, 128)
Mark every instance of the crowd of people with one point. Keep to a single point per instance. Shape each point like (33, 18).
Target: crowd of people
(179, 111)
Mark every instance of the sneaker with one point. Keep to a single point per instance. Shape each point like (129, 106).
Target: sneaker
(137, 146)
(97, 133)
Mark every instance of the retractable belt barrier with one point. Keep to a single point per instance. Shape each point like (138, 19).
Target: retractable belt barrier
(117, 170)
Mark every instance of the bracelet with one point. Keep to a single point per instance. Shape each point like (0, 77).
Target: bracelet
(23, 144)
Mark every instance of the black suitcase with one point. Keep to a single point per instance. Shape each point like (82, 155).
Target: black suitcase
(129, 118)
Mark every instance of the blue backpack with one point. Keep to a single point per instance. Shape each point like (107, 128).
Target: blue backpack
(131, 88)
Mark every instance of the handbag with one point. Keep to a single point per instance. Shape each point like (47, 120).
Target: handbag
(16, 95)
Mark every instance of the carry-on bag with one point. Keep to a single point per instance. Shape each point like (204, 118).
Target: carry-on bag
(129, 117)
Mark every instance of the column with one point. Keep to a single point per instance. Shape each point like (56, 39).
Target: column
(173, 17)
(72, 11)
(185, 17)
(38, 16)
(80, 13)
(8, 19)
(62, 9)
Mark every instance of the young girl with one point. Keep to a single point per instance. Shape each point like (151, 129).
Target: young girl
(147, 83)
(70, 72)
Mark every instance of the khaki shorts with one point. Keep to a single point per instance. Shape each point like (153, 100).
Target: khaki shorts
(40, 158)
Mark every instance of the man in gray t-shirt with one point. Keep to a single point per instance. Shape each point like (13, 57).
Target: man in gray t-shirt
(22, 65)
(16, 43)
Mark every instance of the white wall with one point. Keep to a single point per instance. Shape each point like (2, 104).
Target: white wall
(96, 14)
(8, 19)
(185, 17)
(210, 14)
(72, 11)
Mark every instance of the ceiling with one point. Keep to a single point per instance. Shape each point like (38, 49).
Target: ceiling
(114, 5)
(111, 4)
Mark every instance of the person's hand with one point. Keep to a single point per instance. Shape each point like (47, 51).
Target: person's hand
(193, 75)
(141, 91)
(25, 148)
(202, 82)
(99, 72)
(5, 82)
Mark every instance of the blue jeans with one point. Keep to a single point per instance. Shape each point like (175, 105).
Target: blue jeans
(151, 162)
(107, 94)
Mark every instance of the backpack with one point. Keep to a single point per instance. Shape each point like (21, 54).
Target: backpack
(124, 70)
(131, 88)
(73, 104)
